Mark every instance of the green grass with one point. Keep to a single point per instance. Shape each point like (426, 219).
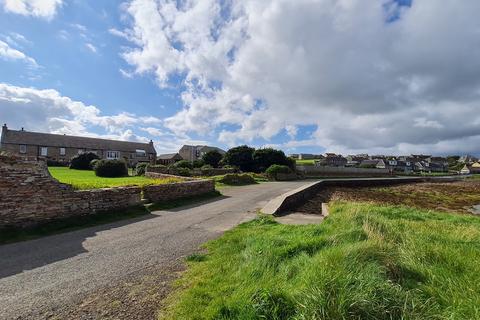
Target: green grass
(310, 162)
(183, 201)
(86, 179)
(364, 262)
(69, 224)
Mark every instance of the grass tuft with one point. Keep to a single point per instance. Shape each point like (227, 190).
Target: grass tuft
(366, 261)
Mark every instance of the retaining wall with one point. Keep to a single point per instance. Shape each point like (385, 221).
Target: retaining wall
(317, 171)
(29, 195)
(297, 197)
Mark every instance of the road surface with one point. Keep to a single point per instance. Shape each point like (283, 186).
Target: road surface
(44, 276)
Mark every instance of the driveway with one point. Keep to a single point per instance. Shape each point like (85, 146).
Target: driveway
(45, 277)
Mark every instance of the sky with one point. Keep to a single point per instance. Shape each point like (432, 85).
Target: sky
(304, 76)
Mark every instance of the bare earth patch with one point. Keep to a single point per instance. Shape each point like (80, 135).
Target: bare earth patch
(456, 197)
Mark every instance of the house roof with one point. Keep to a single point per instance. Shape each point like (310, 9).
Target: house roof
(66, 141)
(169, 156)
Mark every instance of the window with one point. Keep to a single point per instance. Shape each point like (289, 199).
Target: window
(140, 153)
(113, 154)
(62, 151)
(43, 151)
(23, 148)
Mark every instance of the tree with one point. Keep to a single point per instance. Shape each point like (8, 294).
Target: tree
(264, 158)
(183, 164)
(82, 161)
(241, 157)
(212, 158)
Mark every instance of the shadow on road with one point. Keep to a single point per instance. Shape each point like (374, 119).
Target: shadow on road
(52, 248)
(194, 205)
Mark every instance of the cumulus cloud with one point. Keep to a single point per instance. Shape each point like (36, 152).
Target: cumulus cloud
(49, 111)
(370, 75)
(9, 53)
(46, 9)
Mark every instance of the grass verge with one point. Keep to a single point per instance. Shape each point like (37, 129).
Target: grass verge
(182, 201)
(366, 261)
(69, 224)
(86, 179)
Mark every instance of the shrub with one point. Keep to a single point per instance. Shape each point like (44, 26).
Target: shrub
(235, 179)
(93, 163)
(183, 164)
(82, 161)
(55, 163)
(274, 169)
(184, 172)
(212, 158)
(241, 157)
(111, 168)
(266, 157)
(198, 163)
(207, 167)
(141, 168)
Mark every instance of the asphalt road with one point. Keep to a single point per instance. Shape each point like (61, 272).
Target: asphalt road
(55, 272)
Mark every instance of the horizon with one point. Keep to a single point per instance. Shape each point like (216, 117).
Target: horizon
(350, 77)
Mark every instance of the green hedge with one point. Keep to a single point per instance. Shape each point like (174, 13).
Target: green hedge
(111, 168)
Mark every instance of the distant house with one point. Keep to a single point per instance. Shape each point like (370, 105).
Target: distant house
(192, 153)
(334, 160)
(471, 169)
(468, 159)
(168, 158)
(62, 148)
(377, 164)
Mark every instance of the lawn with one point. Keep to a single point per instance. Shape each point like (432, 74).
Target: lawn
(85, 179)
(310, 162)
(366, 261)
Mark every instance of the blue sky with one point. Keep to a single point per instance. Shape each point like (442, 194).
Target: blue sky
(306, 76)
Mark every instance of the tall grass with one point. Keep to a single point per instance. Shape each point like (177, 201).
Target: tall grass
(364, 262)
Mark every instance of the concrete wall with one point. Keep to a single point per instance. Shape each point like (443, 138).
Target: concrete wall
(30, 196)
(297, 197)
(317, 171)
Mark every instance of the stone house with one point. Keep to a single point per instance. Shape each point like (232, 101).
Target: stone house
(62, 148)
(192, 153)
(334, 160)
(168, 158)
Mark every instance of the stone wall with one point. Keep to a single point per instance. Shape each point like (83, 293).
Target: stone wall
(29, 195)
(165, 192)
(317, 171)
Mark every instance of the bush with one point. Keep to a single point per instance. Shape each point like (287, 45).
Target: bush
(56, 163)
(111, 168)
(82, 161)
(266, 157)
(206, 167)
(183, 164)
(141, 168)
(241, 157)
(274, 169)
(93, 163)
(198, 163)
(212, 158)
(184, 172)
(235, 179)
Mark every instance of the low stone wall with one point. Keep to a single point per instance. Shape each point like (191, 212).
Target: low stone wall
(317, 171)
(195, 172)
(165, 192)
(297, 197)
(29, 195)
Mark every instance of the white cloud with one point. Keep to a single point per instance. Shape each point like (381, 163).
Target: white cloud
(91, 47)
(268, 66)
(38, 8)
(9, 53)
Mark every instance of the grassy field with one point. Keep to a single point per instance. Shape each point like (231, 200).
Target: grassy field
(366, 261)
(86, 179)
(305, 162)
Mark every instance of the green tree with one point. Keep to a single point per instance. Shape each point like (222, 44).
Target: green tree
(266, 157)
(241, 157)
(212, 158)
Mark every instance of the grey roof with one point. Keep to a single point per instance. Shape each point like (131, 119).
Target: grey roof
(59, 140)
(168, 156)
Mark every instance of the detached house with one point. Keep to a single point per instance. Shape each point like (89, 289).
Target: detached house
(192, 153)
(62, 148)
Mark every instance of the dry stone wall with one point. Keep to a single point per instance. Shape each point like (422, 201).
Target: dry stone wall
(29, 195)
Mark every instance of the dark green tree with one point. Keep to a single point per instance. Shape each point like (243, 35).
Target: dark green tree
(241, 157)
(212, 158)
(266, 157)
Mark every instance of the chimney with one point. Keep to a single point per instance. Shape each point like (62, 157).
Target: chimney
(23, 129)
(151, 142)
